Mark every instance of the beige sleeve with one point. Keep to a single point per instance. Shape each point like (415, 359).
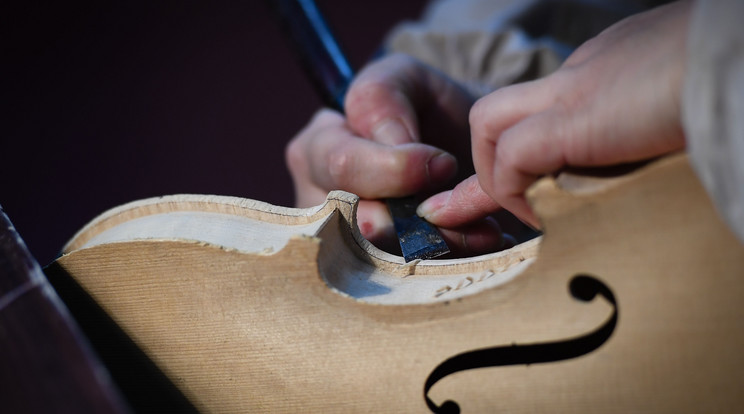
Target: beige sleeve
(486, 44)
(713, 104)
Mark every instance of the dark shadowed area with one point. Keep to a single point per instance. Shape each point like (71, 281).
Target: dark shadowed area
(110, 102)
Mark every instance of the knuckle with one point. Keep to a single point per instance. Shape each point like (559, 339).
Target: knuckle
(414, 169)
(478, 123)
(476, 116)
(506, 163)
(572, 90)
(381, 90)
(294, 155)
(296, 152)
(581, 54)
(472, 188)
(363, 106)
(340, 167)
(482, 117)
(504, 159)
(396, 164)
(404, 171)
(366, 88)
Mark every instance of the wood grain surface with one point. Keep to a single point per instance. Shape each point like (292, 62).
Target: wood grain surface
(629, 302)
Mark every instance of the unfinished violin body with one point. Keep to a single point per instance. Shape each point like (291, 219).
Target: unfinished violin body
(630, 302)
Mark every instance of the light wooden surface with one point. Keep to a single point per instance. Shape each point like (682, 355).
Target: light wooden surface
(304, 315)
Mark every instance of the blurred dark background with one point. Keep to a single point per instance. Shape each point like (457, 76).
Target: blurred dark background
(110, 102)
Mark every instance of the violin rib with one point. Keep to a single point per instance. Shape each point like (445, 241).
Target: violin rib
(348, 263)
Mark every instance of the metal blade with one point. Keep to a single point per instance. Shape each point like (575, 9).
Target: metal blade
(418, 238)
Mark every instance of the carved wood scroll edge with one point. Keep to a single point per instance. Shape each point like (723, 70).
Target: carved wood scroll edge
(242, 207)
(346, 204)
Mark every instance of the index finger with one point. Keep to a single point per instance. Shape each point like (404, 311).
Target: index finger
(378, 104)
(464, 204)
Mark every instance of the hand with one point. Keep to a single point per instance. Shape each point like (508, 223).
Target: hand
(615, 100)
(377, 151)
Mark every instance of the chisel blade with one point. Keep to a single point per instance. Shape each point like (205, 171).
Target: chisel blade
(418, 238)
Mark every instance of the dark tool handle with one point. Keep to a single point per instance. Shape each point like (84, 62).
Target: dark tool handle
(316, 48)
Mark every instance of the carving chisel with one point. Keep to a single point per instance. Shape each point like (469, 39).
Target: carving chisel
(330, 72)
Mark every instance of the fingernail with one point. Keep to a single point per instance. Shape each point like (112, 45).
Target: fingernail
(391, 132)
(441, 168)
(431, 205)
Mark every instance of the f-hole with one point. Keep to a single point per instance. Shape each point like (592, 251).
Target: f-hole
(582, 287)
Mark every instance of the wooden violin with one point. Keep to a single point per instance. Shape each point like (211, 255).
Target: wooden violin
(631, 301)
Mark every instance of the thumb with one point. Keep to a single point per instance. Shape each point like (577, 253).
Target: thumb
(464, 204)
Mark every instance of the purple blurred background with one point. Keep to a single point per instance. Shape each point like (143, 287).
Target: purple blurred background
(106, 103)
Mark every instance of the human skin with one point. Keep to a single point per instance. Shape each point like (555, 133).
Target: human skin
(615, 100)
(405, 132)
